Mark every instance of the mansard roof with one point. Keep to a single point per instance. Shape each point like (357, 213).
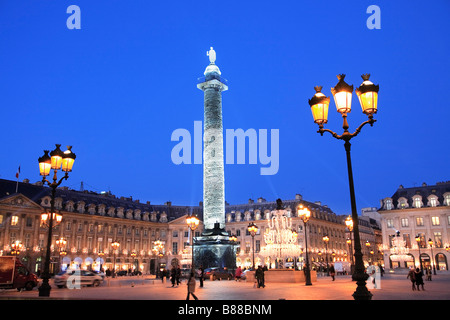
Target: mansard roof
(439, 189)
(36, 192)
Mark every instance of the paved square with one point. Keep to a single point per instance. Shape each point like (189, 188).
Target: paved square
(392, 287)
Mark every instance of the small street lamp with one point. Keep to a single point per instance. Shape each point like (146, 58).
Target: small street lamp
(115, 245)
(304, 213)
(326, 239)
(433, 260)
(158, 249)
(16, 247)
(368, 249)
(419, 241)
(61, 243)
(349, 224)
(55, 161)
(192, 221)
(368, 97)
(253, 229)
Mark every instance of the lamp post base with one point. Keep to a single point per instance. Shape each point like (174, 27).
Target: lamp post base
(361, 292)
(44, 290)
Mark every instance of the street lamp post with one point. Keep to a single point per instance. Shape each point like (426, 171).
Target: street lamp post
(368, 251)
(57, 160)
(305, 214)
(193, 222)
(253, 229)
(16, 247)
(233, 239)
(368, 97)
(349, 224)
(115, 245)
(61, 243)
(433, 260)
(419, 240)
(326, 239)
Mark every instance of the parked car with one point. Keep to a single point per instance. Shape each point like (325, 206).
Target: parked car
(218, 274)
(77, 278)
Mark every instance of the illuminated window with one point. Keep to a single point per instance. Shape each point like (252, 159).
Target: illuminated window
(14, 220)
(405, 222)
(388, 204)
(419, 221)
(447, 199)
(438, 239)
(389, 223)
(435, 221)
(417, 202)
(433, 202)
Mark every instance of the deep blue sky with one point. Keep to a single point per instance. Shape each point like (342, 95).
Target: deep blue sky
(117, 88)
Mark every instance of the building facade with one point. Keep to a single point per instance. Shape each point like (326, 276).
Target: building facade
(416, 227)
(92, 222)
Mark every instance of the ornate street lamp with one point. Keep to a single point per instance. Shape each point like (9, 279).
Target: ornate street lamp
(115, 245)
(368, 97)
(305, 214)
(349, 223)
(326, 239)
(253, 229)
(192, 221)
(56, 161)
(16, 247)
(61, 243)
(433, 260)
(419, 240)
(158, 249)
(368, 250)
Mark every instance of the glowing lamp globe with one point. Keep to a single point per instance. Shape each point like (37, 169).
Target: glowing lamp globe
(319, 106)
(368, 95)
(342, 94)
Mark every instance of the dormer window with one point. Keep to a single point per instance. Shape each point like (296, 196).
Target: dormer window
(388, 204)
(402, 203)
(417, 201)
(447, 198)
(433, 201)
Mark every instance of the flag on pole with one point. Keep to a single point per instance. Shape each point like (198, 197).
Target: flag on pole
(17, 176)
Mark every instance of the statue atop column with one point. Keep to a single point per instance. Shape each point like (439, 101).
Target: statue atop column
(212, 55)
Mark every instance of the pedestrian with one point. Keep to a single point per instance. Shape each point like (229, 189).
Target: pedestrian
(259, 274)
(429, 273)
(191, 286)
(178, 275)
(332, 272)
(412, 276)
(163, 275)
(173, 275)
(419, 279)
(202, 274)
(238, 274)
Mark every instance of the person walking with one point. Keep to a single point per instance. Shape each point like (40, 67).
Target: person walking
(202, 274)
(419, 279)
(191, 286)
(332, 272)
(412, 276)
(429, 274)
(173, 275)
(238, 274)
(259, 274)
(178, 275)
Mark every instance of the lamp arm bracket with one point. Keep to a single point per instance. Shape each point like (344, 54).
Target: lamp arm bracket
(334, 134)
(358, 130)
